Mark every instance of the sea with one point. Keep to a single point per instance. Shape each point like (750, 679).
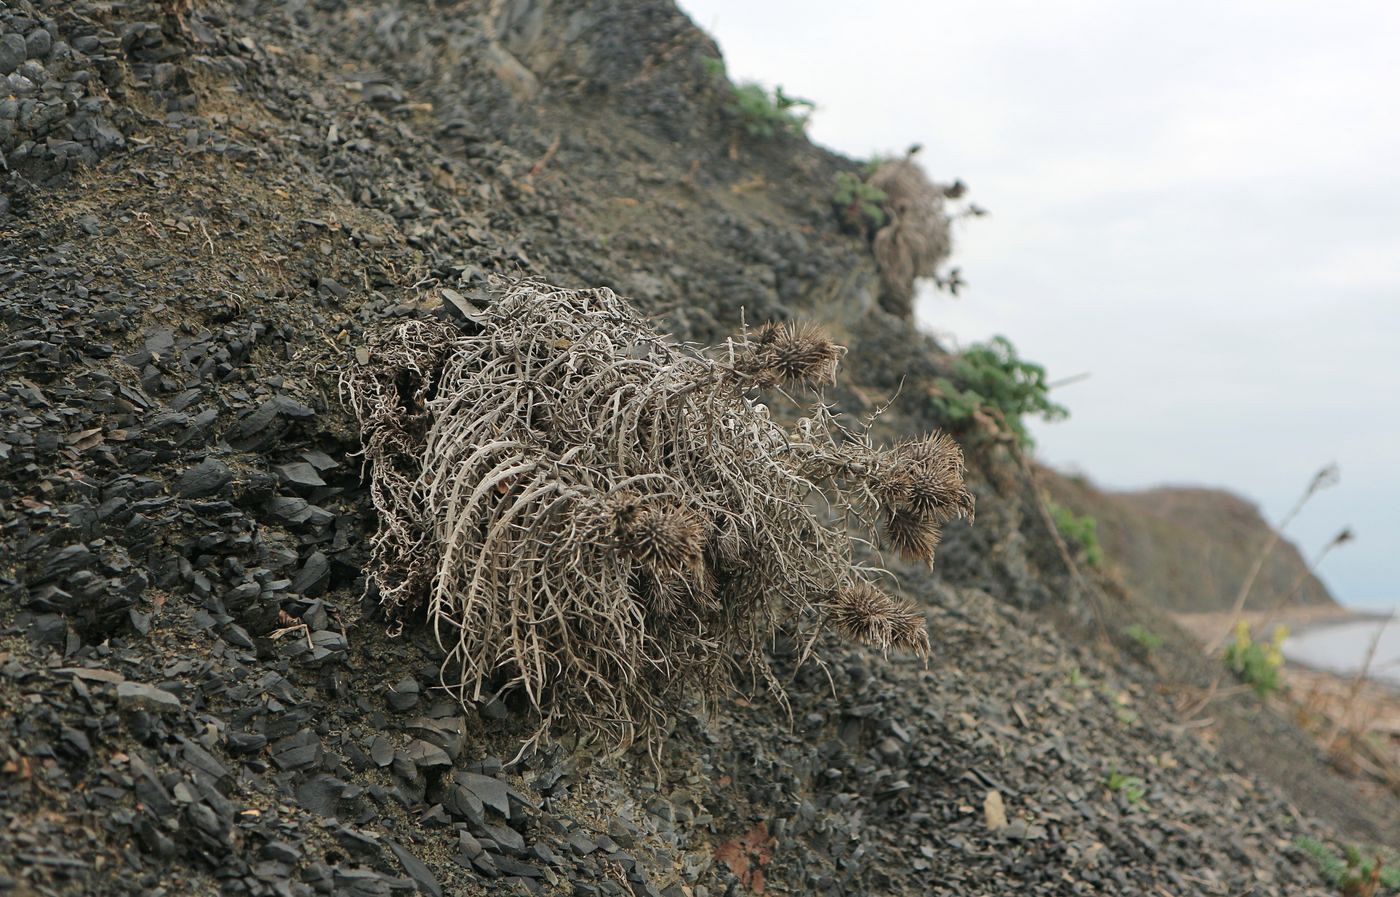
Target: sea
(1341, 647)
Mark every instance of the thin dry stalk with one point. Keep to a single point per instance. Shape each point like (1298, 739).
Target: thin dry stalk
(1346, 718)
(1285, 599)
(1325, 478)
(603, 520)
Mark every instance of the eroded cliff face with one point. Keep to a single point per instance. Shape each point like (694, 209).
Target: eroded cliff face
(1188, 550)
(206, 211)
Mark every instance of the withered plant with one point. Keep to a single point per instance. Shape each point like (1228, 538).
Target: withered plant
(595, 515)
(916, 237)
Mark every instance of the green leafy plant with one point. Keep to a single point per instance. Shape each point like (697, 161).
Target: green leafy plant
(1081, 532)
(1351, 872)
(858, 204)
(1149, 640)
(763, 113)
(1259, 664)
(1131, 787)
(994, 387)
(756, 110)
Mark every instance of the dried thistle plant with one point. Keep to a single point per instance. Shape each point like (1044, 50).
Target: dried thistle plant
(603, 519)
(916, 238)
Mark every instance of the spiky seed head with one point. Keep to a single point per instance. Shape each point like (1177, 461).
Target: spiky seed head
(668, 542)
(865, 613)
(936, 448)
(909, 631)
(911, 535)
(858, 612)
(805, 355)
(667, 597)
(892, 482)
(939, 495)
(934, 468)
(791, 353)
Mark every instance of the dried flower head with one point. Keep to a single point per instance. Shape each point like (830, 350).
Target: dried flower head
(868, 614)
(911, 535)
(792, 353)
(891, 481)
(668, 542)
(668, 597)
(934, 468)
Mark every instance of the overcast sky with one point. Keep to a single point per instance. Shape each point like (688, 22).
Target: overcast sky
(1196, 202)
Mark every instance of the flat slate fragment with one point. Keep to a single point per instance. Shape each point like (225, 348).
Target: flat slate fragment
(491, 792)
(206, 478)
(300, 473)
(145, 697)
(427, 882)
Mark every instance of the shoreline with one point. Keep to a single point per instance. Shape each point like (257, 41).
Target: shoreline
(1298, 619)
(1355, 720)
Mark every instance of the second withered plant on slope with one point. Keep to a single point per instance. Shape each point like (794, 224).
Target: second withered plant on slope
(599, 517)
(917, 236)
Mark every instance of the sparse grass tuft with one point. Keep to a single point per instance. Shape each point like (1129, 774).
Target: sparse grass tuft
(1148, 640)
(603, 520)
(756, 111)
(1131, 787)
(764, 113)
(1082, 533)
(1354, 872)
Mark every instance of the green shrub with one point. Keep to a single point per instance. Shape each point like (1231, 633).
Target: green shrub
(858, 204)
(758, 111)
(765, 114)
(1351, 872)
(1082, 533)
(1259, 664)
(1149, 640)
(991, 381)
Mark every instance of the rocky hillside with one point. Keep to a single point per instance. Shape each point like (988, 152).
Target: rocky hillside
(207, 206)
(1188, 550)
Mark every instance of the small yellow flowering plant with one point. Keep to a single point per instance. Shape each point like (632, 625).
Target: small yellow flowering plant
(1257, 663)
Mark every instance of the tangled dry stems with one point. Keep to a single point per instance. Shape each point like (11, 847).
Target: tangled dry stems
(917, 237)
(603, 519)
